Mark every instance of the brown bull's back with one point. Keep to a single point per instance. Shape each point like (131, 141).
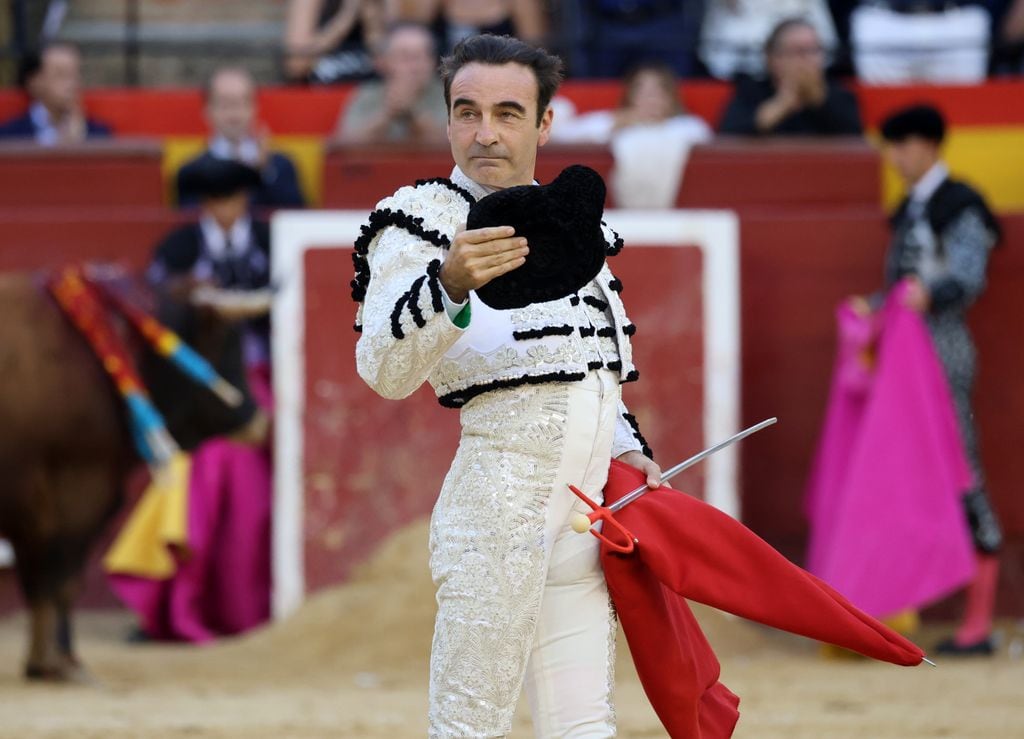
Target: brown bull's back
(54, 396)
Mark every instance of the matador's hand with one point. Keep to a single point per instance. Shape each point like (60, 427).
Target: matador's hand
(645, 465)
(476, 257)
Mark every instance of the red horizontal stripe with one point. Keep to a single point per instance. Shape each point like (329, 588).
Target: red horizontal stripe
(314, 111)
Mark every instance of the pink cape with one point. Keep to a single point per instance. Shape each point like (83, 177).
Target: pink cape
(222, 585)
(884, 497)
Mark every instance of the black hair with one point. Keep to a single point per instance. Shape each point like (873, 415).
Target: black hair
(666, 76)
(487, 48)
(29, 65)
(31, 61)
(922, 120)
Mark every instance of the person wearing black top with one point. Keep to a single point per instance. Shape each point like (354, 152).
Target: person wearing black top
(943, 233)
(236, 135)
(216, 269)
(796, 99)
(52, 79)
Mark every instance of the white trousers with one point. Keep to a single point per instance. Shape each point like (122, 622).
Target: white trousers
(521, 597)
(898, 48)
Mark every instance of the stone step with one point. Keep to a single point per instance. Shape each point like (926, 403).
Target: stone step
(179, 41)
(194, 11)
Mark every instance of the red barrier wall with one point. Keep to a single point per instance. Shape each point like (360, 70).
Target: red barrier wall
(800, 254)
(373, 465)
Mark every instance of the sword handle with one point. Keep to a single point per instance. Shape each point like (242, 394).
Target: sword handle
(600, 513)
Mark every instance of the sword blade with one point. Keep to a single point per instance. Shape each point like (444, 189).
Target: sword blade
(687, 463)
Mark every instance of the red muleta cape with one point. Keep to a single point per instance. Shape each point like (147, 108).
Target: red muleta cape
(689, 549)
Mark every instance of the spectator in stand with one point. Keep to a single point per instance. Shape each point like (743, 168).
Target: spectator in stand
(231, 114)
(52, 79)
(937, 41)
(1010, 59)
(329, 41)
(796, 98)
(650, 135)
(734, 32)
(454, 20)
(607, 37)
(407, 104)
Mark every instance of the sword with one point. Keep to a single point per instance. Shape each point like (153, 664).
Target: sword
(582, 522)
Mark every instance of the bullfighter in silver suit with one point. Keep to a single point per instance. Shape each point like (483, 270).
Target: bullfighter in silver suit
(521, 598)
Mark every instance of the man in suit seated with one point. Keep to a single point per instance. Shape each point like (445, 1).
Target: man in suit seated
(235, 135)
(52, 79)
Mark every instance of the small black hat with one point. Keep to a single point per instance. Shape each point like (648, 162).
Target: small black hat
(561, 222)
(923, 120)
(213, 177)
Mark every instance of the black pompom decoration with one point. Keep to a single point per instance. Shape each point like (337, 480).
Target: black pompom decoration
(562, 224)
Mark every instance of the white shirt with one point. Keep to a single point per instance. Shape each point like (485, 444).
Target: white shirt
(931, 266)
(246, 151)
(46, 132)
(217, 241)
(925, 187)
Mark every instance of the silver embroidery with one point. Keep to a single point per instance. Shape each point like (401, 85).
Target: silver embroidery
(487, 556)
(613, 628)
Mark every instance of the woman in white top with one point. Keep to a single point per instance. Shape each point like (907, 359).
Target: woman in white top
(650, 135)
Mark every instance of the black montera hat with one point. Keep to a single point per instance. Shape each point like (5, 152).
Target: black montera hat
(213, 177)
(561, 222)
(918, 120)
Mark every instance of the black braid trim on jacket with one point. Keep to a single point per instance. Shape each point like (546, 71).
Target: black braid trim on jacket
(616, 245)
(587, 331)
(644, 448)
(629, 329)
(615, 285)
(537, 333)
(414, 302)
(434, 281)
(450, 185)
(595, 365)
(615, 366)
(396, 316)
(378, 221)
(607, 332)
(632, 376)
(595, 302)
(574, 300)
(461, 397)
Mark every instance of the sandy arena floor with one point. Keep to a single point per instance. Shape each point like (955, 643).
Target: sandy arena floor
(352, 663)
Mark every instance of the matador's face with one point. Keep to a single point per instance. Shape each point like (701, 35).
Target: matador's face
(492, 124)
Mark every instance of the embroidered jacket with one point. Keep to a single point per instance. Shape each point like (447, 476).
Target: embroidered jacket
(408, 338)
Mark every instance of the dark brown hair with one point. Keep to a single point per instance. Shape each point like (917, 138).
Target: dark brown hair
(772, 42)
(666, 77)
(487, 48)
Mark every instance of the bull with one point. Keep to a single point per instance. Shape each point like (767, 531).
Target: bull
(66, 449)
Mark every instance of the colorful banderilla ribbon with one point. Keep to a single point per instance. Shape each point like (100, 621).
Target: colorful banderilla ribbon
(169, 345)
(82, 300)
(82, 305)
(582, 522)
